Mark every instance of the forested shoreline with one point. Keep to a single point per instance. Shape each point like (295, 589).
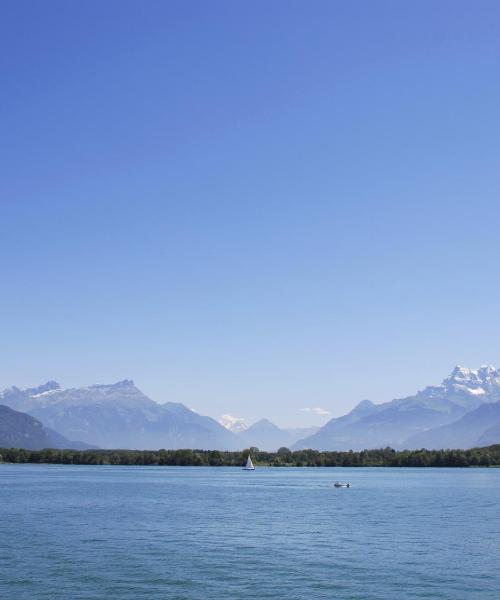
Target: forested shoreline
(386, 457)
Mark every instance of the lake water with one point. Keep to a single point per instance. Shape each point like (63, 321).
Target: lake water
(69, 532)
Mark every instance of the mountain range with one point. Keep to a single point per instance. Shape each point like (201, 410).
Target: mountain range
(460, 413)
(119, 416)
(463, 411)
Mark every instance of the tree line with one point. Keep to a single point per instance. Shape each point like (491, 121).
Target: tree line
(383, 457)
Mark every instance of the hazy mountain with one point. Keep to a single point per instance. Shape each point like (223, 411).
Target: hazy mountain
(19, 430)
(339, 430)
(119, 416)
(298, 433)
(475, 428)
(490, 436)
(395, 422)
(266, 436)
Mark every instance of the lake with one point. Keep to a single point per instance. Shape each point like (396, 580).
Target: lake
(88, 532)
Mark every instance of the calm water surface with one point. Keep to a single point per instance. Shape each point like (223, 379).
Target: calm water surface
(221, 533)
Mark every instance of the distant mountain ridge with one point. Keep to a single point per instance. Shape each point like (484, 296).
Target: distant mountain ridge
(119, 416)
(267, 436)
(420, 419)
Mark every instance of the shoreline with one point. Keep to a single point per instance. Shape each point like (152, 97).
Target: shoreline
(488, 456)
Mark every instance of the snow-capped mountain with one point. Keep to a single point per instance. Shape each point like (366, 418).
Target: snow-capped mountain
(484, 381)
(402, 422)
(234, 424)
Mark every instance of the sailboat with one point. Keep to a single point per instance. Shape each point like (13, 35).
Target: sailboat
(249, 466)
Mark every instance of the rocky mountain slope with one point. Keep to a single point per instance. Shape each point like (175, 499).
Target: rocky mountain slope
(466, 432)
(19, 430)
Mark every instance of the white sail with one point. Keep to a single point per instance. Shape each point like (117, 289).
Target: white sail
(249, 466)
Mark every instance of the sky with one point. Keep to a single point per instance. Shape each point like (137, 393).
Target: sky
(267, 209)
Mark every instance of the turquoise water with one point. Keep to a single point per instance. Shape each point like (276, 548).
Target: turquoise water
(221, 533)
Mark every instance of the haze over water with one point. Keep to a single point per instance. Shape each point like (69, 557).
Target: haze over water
(221, 533)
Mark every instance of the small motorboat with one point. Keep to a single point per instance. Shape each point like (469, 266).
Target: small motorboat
(342, 484)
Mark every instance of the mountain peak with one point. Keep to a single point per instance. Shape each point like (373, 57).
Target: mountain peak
(264, 434)
(264, 421)
(487, 370)
(473, 381)
(234, 424)
(124, 383)
(460, 371)
(263, 424)
(44, 390)
(363, 405)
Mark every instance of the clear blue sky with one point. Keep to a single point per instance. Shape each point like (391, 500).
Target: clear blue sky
(249, 207)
